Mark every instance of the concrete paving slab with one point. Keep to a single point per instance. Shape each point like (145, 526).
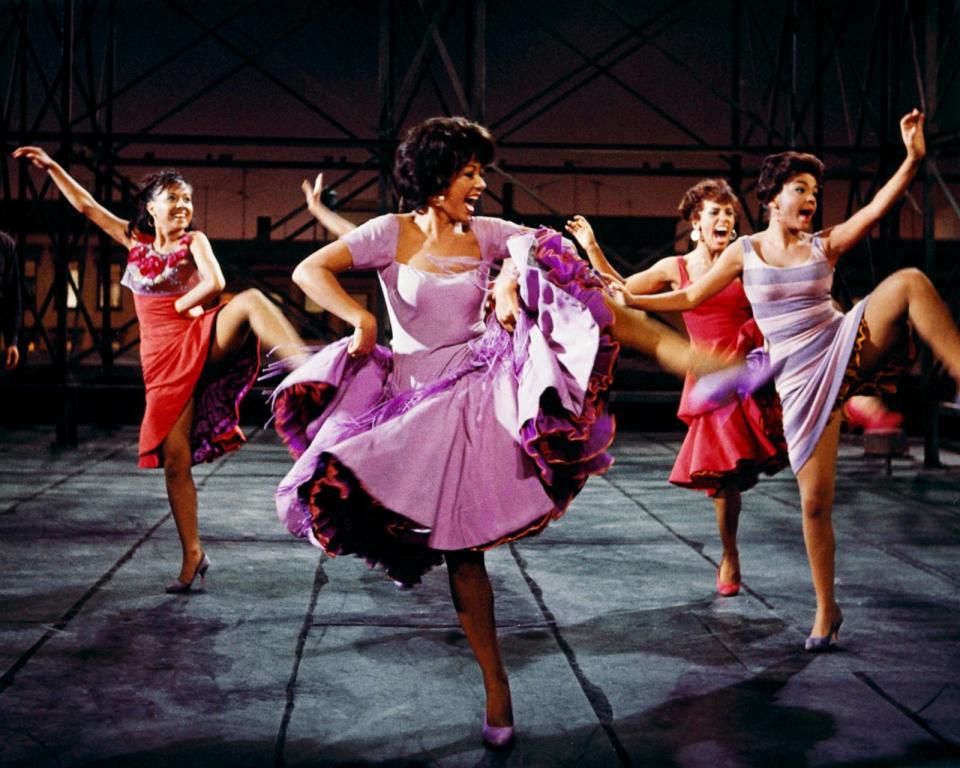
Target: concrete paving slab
(619, 651)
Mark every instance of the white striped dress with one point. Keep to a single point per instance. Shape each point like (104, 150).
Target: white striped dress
(808, 339)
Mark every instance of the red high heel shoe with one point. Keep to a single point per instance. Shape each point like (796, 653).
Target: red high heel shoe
(878, 421)
(726, 589)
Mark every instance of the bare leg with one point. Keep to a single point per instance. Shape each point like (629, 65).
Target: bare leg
(181, 491)
(909, 293)
(817, 479)
(727, 506)
(672, 352)
(252, 311)
(473, 601)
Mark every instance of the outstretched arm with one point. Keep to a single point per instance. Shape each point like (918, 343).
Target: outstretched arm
(582, 232)
(726, 269)
(317, 274)
(76, 195)
(842, 237)
(663, 275)
(331, 221)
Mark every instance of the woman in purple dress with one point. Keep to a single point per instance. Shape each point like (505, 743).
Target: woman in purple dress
(461, 436)
(468, 432)
(822, 357)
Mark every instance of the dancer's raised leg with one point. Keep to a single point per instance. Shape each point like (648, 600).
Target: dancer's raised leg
(670, 350)
(252, 311)
(909, 294)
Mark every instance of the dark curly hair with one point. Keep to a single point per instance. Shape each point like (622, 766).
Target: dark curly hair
(148, 189)
(776, 170)
(432, 152)
(715, 190)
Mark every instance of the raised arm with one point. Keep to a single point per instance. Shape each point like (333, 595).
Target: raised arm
(211, 282)
(727, 269)
(582, 232)
(333, 222)
(317, 274)
(76, 195)
(842, 237)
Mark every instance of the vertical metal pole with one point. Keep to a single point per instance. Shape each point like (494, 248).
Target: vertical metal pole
(792, 94)
(385, 88)
(21, 208)
(386, 134)
(24, 138)
(66, 422)
(886, 116)
(818, 100)
(736, 162)
(476, 67)
(930, 405)
(106, 186)
(818, 82)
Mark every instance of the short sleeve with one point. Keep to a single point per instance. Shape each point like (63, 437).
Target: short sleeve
(492, 235)
(373, 245)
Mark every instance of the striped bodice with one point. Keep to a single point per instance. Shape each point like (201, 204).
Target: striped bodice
(793, 306)
(808, 338)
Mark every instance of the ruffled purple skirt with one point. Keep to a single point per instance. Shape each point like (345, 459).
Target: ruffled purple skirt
(489, 453)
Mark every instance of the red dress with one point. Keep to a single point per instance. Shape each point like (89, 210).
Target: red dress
(173, 353)
(734, 443)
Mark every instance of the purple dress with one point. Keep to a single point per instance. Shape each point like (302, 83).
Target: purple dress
(461, 436)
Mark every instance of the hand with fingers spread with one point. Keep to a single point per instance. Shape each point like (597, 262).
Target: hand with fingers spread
(582, 232)
(311, 194)
(333, 222)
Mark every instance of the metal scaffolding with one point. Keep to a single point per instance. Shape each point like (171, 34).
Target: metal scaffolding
(594, 90)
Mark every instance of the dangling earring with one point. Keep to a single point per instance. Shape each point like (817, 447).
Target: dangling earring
(733, 234)
(695, 234)
(437, 201)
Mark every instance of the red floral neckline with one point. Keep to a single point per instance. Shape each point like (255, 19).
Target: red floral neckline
(151, 264)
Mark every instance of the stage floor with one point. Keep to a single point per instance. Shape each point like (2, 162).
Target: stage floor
(619, 650)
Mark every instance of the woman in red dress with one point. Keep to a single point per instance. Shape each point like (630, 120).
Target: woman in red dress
(727, 446)
(197, 365)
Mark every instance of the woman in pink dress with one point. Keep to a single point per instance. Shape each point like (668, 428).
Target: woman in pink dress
(197, 365)
(727, 445)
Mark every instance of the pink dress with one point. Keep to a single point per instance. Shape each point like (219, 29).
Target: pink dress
(733, 443)
(173, 353)
(461, 436)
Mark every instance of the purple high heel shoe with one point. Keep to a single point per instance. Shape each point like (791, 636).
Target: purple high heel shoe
(177, 587)
(815, 644)
(497, 736)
